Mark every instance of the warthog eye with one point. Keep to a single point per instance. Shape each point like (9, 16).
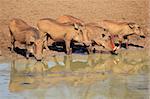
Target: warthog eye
(76, 28)
(142, 36)
(31, 43)
(103, 35)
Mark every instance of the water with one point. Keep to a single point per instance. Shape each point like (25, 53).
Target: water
(96, 76)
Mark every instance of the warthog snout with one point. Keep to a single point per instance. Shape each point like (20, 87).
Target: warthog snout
(136, 29)
(38, 49)
(38, 58)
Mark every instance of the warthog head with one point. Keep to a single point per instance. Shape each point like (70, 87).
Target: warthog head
(35, 43)
(84, 36)
(136, 29)
(38, 49)
(78, 36)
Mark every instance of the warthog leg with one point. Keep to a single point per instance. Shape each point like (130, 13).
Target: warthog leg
(27, 51)
(12, 44)
(68, 49)
(89, 48)
(120, 42)
(112, 43)
(46, 45)
(126, 41)
(12, 47)
(46, 42)
(120, 38)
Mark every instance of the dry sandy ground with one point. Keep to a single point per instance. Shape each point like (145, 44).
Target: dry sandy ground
(87, 10)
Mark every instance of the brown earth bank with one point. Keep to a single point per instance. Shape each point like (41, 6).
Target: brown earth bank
(87, 10)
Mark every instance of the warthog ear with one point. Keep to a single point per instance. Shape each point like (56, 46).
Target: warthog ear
(76, 26)
(131, 25)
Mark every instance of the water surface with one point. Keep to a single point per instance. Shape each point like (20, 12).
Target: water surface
(96, 76)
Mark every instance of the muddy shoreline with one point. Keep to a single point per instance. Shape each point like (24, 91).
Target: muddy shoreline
(92, 11)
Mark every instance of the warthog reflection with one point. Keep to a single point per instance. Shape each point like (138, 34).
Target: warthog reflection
(23, 73)
(73, 70)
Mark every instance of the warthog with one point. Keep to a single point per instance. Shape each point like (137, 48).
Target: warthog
(93, 33)
(23, 33)
(97, 35)
(121, 29)
(68, 19)
(59, 32)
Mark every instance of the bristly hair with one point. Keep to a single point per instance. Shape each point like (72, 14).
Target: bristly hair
(36, 32)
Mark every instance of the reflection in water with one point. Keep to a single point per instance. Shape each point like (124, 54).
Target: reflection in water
(96, 76)
(23, 73)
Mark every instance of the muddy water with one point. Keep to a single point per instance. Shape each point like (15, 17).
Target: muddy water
(96, 76)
